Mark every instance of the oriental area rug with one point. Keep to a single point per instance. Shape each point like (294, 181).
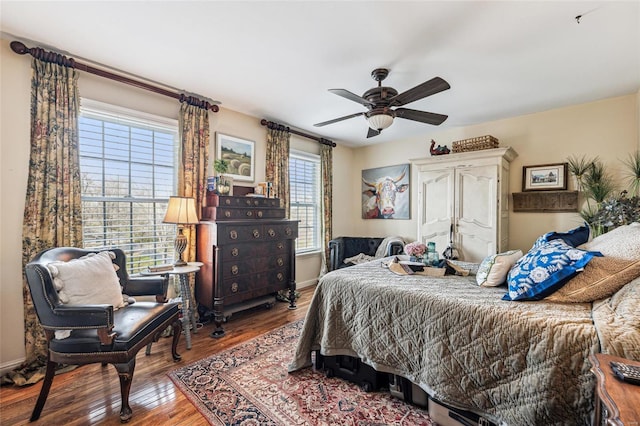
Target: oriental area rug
(249, 385)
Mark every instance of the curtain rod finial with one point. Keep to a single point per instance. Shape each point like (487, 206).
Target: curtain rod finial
(19, 47)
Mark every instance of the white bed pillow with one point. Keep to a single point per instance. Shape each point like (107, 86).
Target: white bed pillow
(622, 242)
(89, 280)
(493, 270)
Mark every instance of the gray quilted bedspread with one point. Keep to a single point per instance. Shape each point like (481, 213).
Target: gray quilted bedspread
(517, 363)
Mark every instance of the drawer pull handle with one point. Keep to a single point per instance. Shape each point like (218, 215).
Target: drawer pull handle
(235, 251)
(255, 203)
(288, 231)
(233, 235)
(234, 269)
(280, 262)
(256, 233)
(280, 245)
(271, 232)
(259, 213)
(280, 276)
(227, 214)
(248, 202)
(249, 213)
(228, 201)
(234, 287)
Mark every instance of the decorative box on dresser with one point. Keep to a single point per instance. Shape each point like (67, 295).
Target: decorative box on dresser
(247, 248)
(465, 194)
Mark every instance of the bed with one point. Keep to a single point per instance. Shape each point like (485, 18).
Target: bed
(513, 362)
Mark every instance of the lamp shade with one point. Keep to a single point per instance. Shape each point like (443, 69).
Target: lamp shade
(181, 210)
(380, 121)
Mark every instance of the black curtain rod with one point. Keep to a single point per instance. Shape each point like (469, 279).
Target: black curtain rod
(43, 55)
(277, 126)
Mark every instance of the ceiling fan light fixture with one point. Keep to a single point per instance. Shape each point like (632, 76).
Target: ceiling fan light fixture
(380, 121)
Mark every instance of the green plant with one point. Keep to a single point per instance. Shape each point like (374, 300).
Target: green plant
(221, 166)
(598, 184)
(633, 176)
(609, 210)
(579, 167)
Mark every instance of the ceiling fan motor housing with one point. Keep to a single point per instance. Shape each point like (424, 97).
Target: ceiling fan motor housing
(378, 95)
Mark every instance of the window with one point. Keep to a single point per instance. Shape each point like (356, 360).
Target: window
(127, 172)
(304, 185)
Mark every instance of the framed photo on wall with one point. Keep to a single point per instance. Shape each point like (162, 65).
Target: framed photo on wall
(545, 177)
(239, 154)
(385, 192)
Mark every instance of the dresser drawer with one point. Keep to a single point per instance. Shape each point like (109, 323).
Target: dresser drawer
(240, 213)
(214, 200)
(245, 287)
(239, 233)
(248, 266)
(236, 251)
(281, 231)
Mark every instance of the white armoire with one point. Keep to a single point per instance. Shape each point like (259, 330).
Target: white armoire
(466, 194)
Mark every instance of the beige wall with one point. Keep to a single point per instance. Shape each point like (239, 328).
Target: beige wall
(15, 75)
(608, 129)
(15, 72)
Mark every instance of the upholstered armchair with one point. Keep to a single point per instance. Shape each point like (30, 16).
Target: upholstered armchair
(342, 248)
(86, 333)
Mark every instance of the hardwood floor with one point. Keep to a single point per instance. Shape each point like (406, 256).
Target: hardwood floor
(90, 395)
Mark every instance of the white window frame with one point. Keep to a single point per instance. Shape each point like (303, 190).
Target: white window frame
(140, 254)
(316, 228)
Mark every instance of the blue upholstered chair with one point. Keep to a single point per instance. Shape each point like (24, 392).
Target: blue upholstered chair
(342, 248)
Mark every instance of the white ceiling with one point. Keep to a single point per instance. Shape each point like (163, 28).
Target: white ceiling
(276, 60)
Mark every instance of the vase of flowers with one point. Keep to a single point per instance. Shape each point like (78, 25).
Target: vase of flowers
(416, 251)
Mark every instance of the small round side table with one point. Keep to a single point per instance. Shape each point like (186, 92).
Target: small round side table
(188, 305)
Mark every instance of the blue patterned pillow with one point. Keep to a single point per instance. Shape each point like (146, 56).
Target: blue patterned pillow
(544, 269)
(574, 237)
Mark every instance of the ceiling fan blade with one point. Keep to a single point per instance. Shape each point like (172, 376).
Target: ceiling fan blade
(335, 120)
(352, 97)
(372, 132)
(428, 88)
(421, 116)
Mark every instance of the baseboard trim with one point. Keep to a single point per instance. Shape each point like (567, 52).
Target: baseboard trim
(11, 365)
(307, 283)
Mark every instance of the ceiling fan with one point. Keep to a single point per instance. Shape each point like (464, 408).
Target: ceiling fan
(380, 100)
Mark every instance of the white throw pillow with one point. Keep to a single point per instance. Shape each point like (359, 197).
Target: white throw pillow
(89, 280)
(493, 270)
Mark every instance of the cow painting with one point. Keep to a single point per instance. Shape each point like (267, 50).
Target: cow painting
(385, 192)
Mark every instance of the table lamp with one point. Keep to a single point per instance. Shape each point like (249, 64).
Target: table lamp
(181, 211)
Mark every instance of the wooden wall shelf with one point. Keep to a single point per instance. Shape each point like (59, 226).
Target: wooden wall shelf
(545, 201)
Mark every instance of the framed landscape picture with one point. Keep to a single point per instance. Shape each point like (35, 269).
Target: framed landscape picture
(385, 192)
(545, 177)
(239, 154)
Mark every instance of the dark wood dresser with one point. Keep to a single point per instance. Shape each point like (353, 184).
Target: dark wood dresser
(247, 248)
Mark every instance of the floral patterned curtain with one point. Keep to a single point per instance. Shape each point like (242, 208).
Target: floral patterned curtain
(192, 167)
(326, 168)
(277, 165)
(53, 211)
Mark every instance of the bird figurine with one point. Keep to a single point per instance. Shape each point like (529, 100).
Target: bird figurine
(440, 150)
